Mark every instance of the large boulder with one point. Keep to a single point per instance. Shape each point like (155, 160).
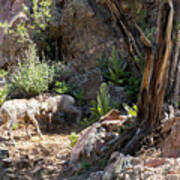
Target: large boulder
(89, 82)
(97, 139)
(84, 27)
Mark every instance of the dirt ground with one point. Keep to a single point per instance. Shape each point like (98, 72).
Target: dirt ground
(35, 158)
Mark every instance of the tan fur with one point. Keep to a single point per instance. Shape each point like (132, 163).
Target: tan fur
(20, 109)
(61, 103)
(28, 110)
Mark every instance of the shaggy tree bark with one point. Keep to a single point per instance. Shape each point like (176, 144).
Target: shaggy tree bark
(161, 78)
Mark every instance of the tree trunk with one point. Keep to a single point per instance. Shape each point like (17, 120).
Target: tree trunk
(161, 78)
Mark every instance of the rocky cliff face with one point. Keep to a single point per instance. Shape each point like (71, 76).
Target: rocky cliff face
(80, 28)
(10, 11)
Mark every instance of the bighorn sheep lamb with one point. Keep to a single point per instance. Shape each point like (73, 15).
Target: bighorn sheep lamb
(28, 110)
(20, 109)
(60, 103)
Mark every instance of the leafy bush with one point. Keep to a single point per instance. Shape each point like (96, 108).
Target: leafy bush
(32, 77)
(73, 137)
(102, 105)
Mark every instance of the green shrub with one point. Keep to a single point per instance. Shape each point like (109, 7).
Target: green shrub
(38, 21)
(79, 94)
(62, 87)
(102, 105)
(32, 76)
(73, 137)
(133, 86)
(116, 68)
(85, 122)
(4, 92)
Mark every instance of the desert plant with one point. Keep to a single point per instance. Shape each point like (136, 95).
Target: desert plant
(131, 110)
(79, 94)
(133, 85)
(116, 68)
(32, 76)
(39, 17)
(102, 104)
(62, 87)
(73, 137)
(4, 92)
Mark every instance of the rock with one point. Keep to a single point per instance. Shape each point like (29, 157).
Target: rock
(96, 175)
(96, 140)
(83, 27)
(88, 33)
(118, 94)
(113, 120)
(171, 147)
(89, 82)
(4, 153)
(6, 163)
(134, 168)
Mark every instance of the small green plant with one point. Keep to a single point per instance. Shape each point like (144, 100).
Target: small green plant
(102, 62)
(4, 92)
(40, 17)
(102, 105)
(62, 87)
(32, 76)
(41, 13)
(149, 32)
(116, 68)
(73, 137)
(15, 126)
(87, 122)
(131, 110)
(84, 167)
(5, 26)
(133, 87)
(3, 73)
(79, 93)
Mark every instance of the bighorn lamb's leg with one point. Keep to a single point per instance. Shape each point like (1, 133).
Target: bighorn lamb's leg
(34, 121)
(27, 129)
(10, 124)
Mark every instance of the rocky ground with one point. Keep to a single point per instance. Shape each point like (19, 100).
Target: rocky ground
(53, 158)
(34, 158)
